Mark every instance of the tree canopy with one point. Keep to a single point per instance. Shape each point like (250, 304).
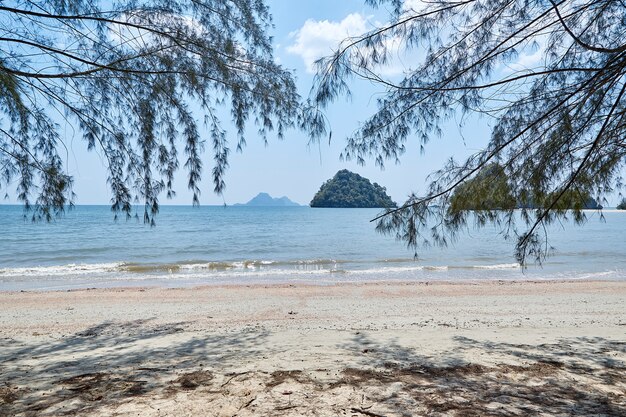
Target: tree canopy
(558, 125)
(136, 80)
(489, 189)
(349, 190)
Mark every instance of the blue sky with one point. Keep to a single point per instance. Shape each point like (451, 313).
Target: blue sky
(304, 30)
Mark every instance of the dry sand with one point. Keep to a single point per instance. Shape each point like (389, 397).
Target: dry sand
(383, 349)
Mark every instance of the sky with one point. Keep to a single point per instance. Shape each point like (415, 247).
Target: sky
(304, 31)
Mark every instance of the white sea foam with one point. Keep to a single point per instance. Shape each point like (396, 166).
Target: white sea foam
(114, 273)
(497, 266)
(436, 268)
(237, 268)
(392, 270)
(60, 270)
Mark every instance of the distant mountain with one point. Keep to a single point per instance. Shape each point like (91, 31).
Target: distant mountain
(350, 190)
(266, 200)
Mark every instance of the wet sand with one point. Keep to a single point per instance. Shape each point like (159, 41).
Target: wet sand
(376, 349)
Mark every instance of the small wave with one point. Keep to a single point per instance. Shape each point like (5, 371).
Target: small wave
(256, 264)
(396, 260)
(497, 266)
(315, 262)
(61, 270)
(191, 266)
(263, 267)
(145, 268)
(170, 268)
(387, 270)
(617, 273)
(436, 268)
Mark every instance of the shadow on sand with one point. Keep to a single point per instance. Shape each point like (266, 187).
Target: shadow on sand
(112, 363)
(116, 363)
(575, 377)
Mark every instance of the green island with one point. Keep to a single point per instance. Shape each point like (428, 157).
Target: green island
(490, 190)
(349, 190)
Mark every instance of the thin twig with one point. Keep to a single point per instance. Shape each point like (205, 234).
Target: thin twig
(365, 412)
(235, 375)
(248, 403)
(289, 407)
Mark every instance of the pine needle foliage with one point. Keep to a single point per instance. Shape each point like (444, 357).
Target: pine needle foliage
(140, 82)
(558, 126)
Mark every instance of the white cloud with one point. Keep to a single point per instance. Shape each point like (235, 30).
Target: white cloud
(135, 38)
(317, 39)
(414, 6)
(530, 58)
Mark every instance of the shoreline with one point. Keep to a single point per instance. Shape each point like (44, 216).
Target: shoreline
(195, 284)
(388, 348)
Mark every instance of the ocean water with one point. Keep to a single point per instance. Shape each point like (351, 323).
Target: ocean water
(244, 245)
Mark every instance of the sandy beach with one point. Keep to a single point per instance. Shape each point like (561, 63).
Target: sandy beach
(376, 349)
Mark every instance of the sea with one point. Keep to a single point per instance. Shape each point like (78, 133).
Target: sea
(223, 245)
